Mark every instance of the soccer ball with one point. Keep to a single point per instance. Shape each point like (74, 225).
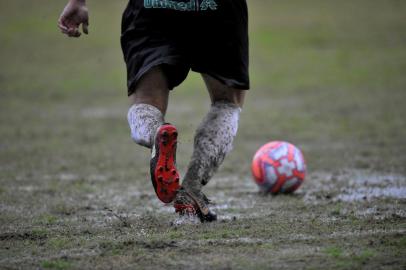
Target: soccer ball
(278, 167)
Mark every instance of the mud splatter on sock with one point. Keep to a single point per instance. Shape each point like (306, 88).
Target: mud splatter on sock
(144, 120)
(213, 140)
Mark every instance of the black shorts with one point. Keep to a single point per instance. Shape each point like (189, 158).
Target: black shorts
(207, 36)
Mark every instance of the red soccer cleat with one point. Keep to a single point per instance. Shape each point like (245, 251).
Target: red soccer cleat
(164, 175)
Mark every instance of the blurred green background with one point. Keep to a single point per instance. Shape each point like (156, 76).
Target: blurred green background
(326, 75)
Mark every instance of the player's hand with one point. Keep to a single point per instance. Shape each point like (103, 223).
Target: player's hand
(74, 14)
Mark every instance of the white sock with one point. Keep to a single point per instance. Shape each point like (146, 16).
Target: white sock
(144, 120)
(213, 140)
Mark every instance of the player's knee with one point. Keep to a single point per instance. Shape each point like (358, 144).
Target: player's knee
(229, 95)
(237, 97)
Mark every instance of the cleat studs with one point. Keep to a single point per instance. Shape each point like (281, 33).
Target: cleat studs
(165, 133)
(175, 134)
(160, 178)
(161, 169)
(177, 180)
(173, 171)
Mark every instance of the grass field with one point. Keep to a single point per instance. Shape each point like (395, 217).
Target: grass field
(328, 76)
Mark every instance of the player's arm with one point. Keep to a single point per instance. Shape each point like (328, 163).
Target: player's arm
(74, 14)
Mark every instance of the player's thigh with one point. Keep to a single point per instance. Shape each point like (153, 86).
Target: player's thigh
(221, 92)
(152, 89)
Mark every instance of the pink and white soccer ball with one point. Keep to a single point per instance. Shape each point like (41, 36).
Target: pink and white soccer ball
(278, 167)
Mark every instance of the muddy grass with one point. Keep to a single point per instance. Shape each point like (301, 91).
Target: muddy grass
(314, 228)
(75, 192)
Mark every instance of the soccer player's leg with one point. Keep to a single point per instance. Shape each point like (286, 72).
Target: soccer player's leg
(213, 141)
(148, 128)
(149, 101)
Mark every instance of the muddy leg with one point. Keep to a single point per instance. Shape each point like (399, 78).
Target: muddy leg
(149, 103)
(214, 136)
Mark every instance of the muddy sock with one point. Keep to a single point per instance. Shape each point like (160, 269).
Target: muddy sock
(144, 120)
(213, 140)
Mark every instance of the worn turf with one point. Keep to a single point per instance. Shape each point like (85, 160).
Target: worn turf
(328, 76)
